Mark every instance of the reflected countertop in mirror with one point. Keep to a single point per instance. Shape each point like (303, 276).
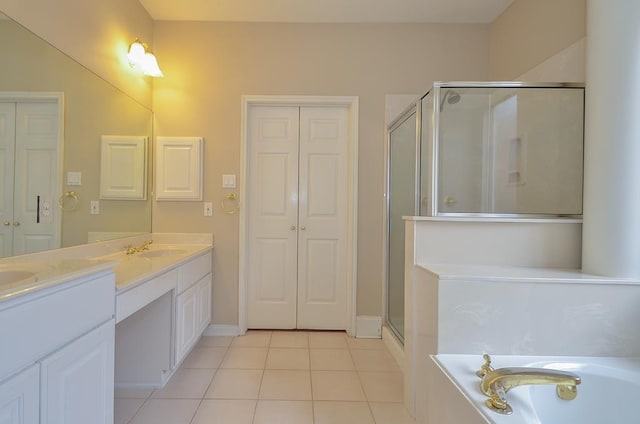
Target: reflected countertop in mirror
(92, 108)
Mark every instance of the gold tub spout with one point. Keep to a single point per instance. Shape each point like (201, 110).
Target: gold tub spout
(496, 383)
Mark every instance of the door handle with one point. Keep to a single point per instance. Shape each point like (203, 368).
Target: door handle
(7, 223)
(16, 224)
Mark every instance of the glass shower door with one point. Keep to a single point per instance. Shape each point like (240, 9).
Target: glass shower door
(401, 197)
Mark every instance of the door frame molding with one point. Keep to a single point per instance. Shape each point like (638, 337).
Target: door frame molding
(352, 103)
(52, 97)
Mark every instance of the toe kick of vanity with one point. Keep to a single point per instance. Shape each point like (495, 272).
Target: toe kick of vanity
(160, 317)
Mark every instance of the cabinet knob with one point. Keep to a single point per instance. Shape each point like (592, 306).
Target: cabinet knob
(16, 224)
(303, 228)
(292, 228)
(7, 223)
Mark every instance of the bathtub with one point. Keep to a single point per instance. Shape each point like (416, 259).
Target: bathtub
(609, 392)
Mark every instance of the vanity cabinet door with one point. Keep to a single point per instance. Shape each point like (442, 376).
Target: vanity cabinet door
(77, 380)
(20, 398)
(204, 303)
(186, 322)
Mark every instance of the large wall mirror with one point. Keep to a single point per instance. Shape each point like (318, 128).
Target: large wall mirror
(91, 108)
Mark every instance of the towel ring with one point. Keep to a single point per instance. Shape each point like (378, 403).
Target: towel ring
(73, 204)
(231, 197)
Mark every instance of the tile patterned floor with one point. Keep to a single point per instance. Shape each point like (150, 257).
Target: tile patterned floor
(275, 377)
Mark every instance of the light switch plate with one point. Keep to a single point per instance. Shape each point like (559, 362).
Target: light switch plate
(74, 178)
(95, 207)
(208, 209)
(229, 181)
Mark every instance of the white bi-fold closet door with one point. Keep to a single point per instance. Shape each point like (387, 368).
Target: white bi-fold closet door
(29, 182)
(297, 217)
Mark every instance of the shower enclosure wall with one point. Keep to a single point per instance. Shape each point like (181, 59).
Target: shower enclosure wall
(481, 150)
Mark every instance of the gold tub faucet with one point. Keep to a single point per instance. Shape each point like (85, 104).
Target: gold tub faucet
(497, 382)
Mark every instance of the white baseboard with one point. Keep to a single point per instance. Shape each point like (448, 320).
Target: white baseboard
(395, 348)
(368, 327)
(222, 330)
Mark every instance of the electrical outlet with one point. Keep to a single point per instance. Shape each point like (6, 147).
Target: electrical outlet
(208, 209)
(46, 211)
(95, 207)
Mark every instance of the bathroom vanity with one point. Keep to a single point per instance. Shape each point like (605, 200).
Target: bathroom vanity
(75, 322)
(163, 304)
(57, 342)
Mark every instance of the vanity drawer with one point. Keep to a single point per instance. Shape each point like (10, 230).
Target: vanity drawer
(191, 272)
(38, 326)
(133, 300)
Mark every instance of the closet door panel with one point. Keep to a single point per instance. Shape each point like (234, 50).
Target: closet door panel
(273, 217)
(322, 218)
(36, 176)
(7, 146)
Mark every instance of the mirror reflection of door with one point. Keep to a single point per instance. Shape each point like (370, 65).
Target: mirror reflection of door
(29, 167)
(402, 198)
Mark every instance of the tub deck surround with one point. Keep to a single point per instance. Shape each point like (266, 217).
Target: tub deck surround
(510, 310)
(498, 241)
(531, 311)
(608, 392)
(519, 273)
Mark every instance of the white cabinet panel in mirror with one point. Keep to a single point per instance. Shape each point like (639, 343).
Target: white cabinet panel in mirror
(90, 108)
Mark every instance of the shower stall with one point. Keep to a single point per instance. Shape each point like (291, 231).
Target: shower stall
(477, 150)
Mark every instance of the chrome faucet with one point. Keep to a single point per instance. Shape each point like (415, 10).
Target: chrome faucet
(497, 382)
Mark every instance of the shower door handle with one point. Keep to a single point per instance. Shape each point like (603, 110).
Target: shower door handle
(450, 201)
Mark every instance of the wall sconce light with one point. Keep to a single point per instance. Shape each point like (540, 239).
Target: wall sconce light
(142, 59)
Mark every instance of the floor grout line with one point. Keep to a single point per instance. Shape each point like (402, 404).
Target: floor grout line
(350, 348)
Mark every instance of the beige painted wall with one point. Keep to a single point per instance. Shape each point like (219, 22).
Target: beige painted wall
(95, 33)
(208, 66)
(531, 31)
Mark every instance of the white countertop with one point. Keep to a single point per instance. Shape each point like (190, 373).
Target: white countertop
(56, 266)
(46, 273)
(134, 269)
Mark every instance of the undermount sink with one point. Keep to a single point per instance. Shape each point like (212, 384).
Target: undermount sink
(11, 276)
(161, 252)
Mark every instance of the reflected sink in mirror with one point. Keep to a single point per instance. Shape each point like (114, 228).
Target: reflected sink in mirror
(11, 276)
(161, 252)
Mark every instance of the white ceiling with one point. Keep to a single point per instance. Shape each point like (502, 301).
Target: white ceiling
(340, 11)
